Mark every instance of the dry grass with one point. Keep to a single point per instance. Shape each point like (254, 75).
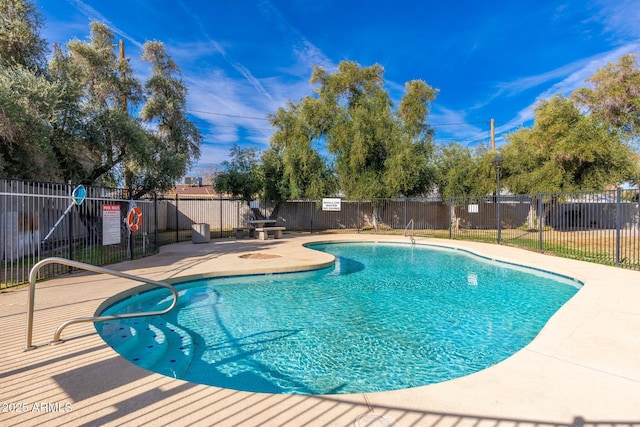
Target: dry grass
(594, 245)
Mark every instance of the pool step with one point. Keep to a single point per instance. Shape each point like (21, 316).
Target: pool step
(120, 335)
(178, 351)
(152, 344)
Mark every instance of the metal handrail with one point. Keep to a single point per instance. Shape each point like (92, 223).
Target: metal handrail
(413, 240)
(33, 274)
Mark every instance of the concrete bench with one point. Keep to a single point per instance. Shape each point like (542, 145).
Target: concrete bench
(263, 232)
(241, 230)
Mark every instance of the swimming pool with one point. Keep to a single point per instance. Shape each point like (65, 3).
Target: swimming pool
(386, 316)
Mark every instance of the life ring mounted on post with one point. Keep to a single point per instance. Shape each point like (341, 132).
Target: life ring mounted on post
(134, 219)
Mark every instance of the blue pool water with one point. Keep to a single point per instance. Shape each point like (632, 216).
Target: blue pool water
(387, 316)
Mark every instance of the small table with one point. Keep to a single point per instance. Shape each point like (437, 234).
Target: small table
(260, 222)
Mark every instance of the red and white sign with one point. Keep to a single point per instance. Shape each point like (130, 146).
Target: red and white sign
(110, 225)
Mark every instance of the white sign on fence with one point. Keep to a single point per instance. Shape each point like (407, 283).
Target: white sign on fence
(331, 205)
(110, 225)
(473, 208)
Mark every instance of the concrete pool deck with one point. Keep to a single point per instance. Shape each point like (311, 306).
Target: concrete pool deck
(582, 369)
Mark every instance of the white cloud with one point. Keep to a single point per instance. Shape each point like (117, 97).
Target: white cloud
(234, 108)
(525, 83)
(454, 126)
(94, 15)
(240, 68)
(305, 52)
(571, 82)
(620, 18)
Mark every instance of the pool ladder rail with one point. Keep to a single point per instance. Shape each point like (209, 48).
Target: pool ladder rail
(33, 275)
(412, 235)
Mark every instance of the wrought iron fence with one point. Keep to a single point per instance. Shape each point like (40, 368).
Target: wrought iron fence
(40, 220)
(600, 227)
(178, 214)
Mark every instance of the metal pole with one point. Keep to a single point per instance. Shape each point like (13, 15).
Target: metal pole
(497, 162)
(498, 199)
(177, 223)
(33, 275)
(540, 221)
(618, 221)
(450, 216)
(405, 213)
(155, 204)
(71, 239)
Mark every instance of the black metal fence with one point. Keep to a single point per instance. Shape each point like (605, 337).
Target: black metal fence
(599, 227)
(39, 220)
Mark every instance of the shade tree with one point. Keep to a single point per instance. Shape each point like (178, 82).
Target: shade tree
(565, 150)
(71, 119)
(375, 149)
(613, 96)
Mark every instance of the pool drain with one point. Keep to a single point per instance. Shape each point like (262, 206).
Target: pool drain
(374, 420)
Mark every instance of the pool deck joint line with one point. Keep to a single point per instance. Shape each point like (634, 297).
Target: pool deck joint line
(581, 368)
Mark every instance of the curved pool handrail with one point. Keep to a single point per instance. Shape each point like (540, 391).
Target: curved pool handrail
(33, 275)
(412, 236)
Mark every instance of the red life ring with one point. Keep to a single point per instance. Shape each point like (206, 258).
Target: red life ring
(134, 218)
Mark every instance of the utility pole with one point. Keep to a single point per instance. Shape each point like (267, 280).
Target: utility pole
(128, 173)
(493, 136)
(123, 75)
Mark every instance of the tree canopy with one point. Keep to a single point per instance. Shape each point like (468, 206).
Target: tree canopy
(614, 98)
(462, 171)
(80, 114)
(565, 150)
(347, 137)
(20, 40)
(242, 176)
(376, 150)
(70, 119)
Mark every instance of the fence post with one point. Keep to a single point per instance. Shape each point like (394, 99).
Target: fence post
(618, 221)
(450, 218)
(177, 221)
(155, 232)
(405, 214)
(540, 221)
(71, 239)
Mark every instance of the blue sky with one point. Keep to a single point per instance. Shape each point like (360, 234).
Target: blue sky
(242, 59)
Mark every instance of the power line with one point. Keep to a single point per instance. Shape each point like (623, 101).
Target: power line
(243, 127)
(227, 115)
(486, 122)
(263, 118)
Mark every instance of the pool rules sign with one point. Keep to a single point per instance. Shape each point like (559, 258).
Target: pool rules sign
(331, 205)
(110, 225)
